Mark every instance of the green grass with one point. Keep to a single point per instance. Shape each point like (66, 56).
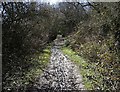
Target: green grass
(37, 61)
(85, 71)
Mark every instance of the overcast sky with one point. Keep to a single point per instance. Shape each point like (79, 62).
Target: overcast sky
(56, 1)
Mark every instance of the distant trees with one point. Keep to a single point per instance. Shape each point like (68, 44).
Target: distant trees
(74, 12)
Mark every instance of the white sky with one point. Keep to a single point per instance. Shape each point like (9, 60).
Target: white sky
(52, 1)
(56, 1)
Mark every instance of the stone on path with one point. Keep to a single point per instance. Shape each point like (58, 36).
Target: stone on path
(61, 74)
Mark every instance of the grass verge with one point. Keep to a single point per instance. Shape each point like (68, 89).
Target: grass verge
(28, 74)
(39, 61)
(85, 71)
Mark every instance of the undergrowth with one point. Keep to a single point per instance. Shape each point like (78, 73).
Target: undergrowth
(37, 62)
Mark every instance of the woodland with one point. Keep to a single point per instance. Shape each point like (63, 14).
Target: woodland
(91, 31)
